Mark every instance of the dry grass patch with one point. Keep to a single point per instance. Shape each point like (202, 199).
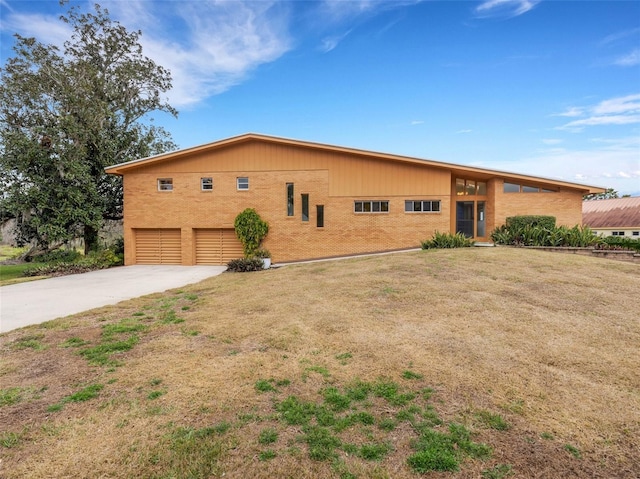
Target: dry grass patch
(500, 360)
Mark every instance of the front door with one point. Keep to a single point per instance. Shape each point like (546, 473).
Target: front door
(464, 218)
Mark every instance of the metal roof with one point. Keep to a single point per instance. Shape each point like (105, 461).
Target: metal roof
(613, 213)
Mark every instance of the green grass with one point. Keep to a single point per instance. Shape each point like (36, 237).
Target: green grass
(267, 455)
(574, 451)
(499, 471)
(493, 421)
(10, 439)
(73, 342)
(268, 436)
(101, 354)
(264, 385)
(29, 342)
(85, 394)
(13, 273)
(10, 396)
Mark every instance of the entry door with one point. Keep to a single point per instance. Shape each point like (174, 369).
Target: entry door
(464, 218)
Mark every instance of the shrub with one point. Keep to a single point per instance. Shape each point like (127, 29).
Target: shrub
(243, 265)
(519, 222)
(529, 234)
(250, 230)
(81, 264)
(447, 240)
(619, 243)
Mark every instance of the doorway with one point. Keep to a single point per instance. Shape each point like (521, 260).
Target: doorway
(464, 218)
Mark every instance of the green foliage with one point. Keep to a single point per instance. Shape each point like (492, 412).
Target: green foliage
(519, 222)
(447, 240)
(619, 243)
(60, 265)
(65, 114)
(535, 231)
(73, 342)
(609, 193)
(263, 386)
(267, 455)
(250, 230)
(411, 375)
(244, 265)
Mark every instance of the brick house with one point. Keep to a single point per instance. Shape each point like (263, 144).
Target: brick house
(319, 200)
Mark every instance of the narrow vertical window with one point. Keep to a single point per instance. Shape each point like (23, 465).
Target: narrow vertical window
(289, 199)
(305, 207)
(320, 216)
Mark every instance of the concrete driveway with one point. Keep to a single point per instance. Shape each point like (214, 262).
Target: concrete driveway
(39, 301)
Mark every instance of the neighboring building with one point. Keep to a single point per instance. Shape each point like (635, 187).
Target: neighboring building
(614, 217)
(319, 200)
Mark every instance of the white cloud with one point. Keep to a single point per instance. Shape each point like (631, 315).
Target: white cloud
(505, 8)
(551, 141)
(331, 42)
(623, 110)
(623, 104)
(629, 60)
(611, 163)
(464, 131)
(571, 112)
(417, 122)
(223, 42)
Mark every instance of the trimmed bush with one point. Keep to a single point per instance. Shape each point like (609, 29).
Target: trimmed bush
(250, 230)
(244, 265)
(538, 235)
(520, 222)
(447, 240)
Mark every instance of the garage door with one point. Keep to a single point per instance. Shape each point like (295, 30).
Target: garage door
(158, 246)
(217, 246)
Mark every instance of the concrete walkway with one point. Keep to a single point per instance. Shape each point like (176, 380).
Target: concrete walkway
(35, 302)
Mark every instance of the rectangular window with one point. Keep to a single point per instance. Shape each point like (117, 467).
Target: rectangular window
(305, 207)
(635, 233)
(511, 188)
(289, 199)
(470, 188)
(320, 216)
(459, 186)
(530, 189)
(165, 184)
(482, 188)
(376, 206)
(545, 190)
(617, 233)
(206, 184)
(242, 183)
(422, 206)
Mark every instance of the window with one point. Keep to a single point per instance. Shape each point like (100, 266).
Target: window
(422, 206)
(320, 216)
(635, 233)
(530, 189)
(617, 233)
(470, 187)
(376, 206)
(545, 190)
(165, 184)
(511, 188)
(242, 183)
(206, 184)
(305, 207)
(289, 199)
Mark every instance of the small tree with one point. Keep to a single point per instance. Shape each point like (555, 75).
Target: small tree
(250, 230)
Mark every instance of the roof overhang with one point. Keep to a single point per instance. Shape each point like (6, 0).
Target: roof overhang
(459, 170)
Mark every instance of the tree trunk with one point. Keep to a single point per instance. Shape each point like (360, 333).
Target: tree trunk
(90, 239)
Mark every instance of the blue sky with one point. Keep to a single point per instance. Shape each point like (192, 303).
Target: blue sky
(548, 88)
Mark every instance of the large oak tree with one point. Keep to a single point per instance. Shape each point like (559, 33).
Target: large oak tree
(67, 113)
